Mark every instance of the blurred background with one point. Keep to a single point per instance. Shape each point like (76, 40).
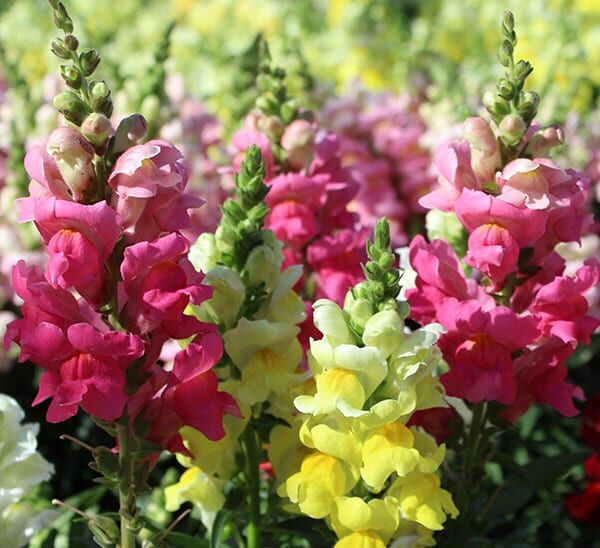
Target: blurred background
(194, 62)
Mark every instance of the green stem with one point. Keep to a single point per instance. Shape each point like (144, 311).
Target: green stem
(464, 487)
(253, 531)
(126, 493)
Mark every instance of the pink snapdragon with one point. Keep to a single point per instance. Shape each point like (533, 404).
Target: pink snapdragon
(79, 239)
(115, 289)
(439, 277)
(510, 345)
(84, 362)
(160, 283)
(170, 400)
(561, 309)
(149, 191)
(478, 349)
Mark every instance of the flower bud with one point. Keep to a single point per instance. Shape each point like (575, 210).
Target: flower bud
(485, 156)
(496, 105)
(104, 530)
(71, 76)
(272, 126)
(359, 311)
(99, 95)
(297, 141)
(225, 240)
(71, 42)
(528, 103)
(479, 134)
(89, 60)
(522, 70)
(129, 131)
(96, 128)
(544, 140)
(70, 106)
(512, 128)
(262, 266)
(289, 110)
(73, 156)
(62, 19)
(506, 89)
(59, 48)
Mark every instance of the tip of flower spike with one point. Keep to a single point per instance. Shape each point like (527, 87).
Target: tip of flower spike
(381, 285)
(511, 108)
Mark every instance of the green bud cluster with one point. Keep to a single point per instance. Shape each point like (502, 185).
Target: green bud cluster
(241, 228)
(150, 94)
(84, 96)
(243, 86)
(278, 108)
(381, 285)
(511, 108)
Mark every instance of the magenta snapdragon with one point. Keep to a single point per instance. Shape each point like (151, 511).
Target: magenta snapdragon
(512, 322)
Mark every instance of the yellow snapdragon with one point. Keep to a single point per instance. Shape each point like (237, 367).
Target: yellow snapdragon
(369, 475)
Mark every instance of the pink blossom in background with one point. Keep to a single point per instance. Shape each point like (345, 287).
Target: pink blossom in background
(380, 137)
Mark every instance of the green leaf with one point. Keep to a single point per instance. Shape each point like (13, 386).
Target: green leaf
(525, 481)
(218, 527)
(180, 540)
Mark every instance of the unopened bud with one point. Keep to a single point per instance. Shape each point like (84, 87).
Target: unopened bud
(99, 95)
(71, 42)
(297, 140)
(382, 234)
(358, 308)
(262, 266)
(96, 128)
(59, 48)
(544, 140)
(512, 128)
(479, 134)
(485, 156)
(506, 89)
(265, 104)
(496, 105)
(71, 76)
(129, 131)
(104, 530)
(73, 156)
(89, 60)
(272, 126)
(508, 20)
(522, 70)
(528, 103)
(70, 106)
(62, 19)
(289, 109)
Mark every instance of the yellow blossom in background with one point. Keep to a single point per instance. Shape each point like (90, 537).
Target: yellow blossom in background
(199, 488)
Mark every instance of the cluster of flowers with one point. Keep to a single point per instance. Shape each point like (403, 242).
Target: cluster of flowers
(513, 322)
(349, 456)
(116, 284)
(381, 143)
(22, 469)
(258, 312)
(308, 199)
